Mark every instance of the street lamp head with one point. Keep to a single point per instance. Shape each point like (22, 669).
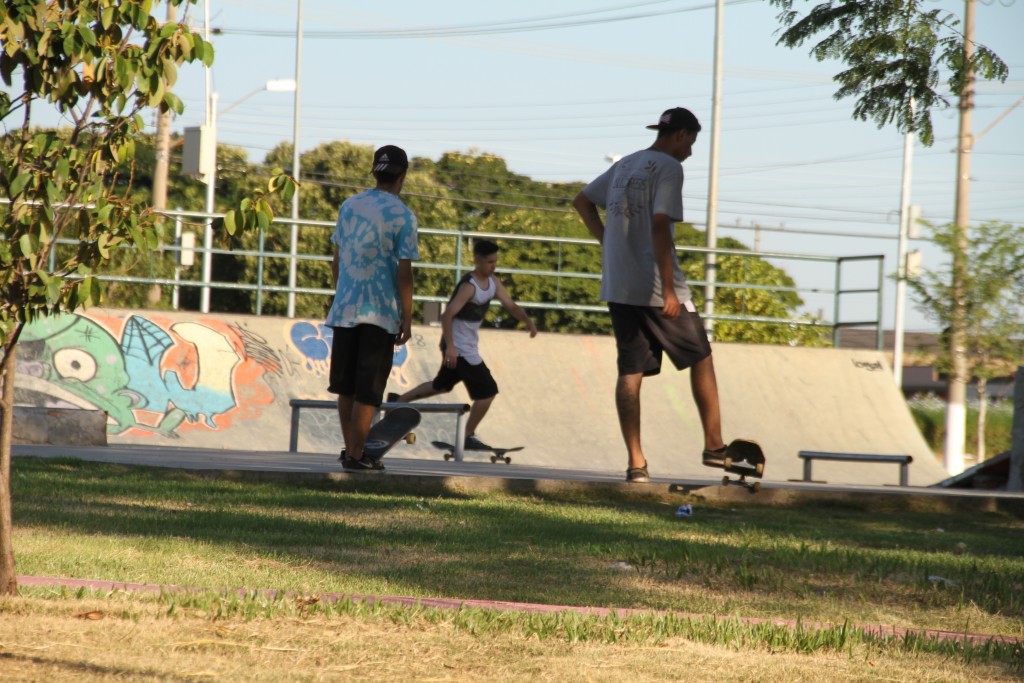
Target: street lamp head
(281, 85)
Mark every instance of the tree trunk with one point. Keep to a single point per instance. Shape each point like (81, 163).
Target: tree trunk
(1016, 480)
(959, 377)
(8, 577)
(982, 417)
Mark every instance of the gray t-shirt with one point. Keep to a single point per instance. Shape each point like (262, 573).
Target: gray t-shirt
(631, 192)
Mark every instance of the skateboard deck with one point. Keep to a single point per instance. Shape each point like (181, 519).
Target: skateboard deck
(496, 453)
(745, 458)
(395, 426)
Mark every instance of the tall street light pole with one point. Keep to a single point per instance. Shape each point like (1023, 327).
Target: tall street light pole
(162, 165)
(711, 236)
(901, 260)
(296, 171)
(210, 177)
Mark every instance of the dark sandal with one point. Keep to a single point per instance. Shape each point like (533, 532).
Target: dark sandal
(637, 475)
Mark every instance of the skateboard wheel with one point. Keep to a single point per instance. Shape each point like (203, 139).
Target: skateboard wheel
(760, 468)
(494, 459)
(508, 461)
(410, 438)
(447, 457)
(725, 481)
(756, 487)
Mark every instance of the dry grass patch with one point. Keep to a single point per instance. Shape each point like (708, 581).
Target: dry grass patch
(121, 638)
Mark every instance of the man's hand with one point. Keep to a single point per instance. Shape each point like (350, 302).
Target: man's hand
(405, 334)
(671, 308)
(451, 357)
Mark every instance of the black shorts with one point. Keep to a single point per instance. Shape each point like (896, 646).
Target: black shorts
(477, 378)
(642, 334)
(361, 359)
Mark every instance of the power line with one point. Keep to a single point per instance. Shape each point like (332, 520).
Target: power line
(512, 26)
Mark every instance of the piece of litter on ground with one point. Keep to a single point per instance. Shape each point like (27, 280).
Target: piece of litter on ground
(684, 511)
(942, 579)
(621, 566)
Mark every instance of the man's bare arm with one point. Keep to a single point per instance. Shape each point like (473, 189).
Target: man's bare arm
(591, 218)
(405, 300)
(514, 309)
(664, 256)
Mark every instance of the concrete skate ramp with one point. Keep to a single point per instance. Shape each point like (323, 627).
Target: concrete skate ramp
(212, 381)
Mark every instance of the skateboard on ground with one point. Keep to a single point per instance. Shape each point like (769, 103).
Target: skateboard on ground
(396, 425)
(745, 458)
(496, 453)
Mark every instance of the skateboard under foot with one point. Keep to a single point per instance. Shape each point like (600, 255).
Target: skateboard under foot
(496, 453)
(745, 458)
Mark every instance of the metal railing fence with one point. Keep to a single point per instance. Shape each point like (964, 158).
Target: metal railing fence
(833, 288)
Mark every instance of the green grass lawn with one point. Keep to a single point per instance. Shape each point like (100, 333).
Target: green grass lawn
(850, 563)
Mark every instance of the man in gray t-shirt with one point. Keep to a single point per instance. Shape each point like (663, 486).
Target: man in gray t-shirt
(648, 298)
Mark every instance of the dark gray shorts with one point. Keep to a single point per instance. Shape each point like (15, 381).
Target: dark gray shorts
(642, 335)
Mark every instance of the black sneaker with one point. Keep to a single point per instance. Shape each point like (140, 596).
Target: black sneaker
(716, 457)
(361, 465)
(392, 397)
(376, 462)
(473, 443)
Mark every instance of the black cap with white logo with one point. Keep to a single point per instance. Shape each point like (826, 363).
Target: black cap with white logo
(390, 159)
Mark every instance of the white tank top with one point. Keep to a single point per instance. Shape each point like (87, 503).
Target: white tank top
(465, 333)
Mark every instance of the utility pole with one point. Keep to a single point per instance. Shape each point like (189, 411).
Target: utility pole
(901, 258)
(162, 165)
(293, 241)
(711, 236)
(956, 401)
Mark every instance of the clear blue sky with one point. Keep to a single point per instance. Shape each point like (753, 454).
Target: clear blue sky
(555, 102)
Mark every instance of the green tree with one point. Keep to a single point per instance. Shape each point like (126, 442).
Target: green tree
(893, 51)
(994, 289)
(331, 173)
(99, 64)
(459, 193)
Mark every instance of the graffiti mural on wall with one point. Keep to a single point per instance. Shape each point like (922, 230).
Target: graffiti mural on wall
(313, 343)
(151, 375)
(158, 375)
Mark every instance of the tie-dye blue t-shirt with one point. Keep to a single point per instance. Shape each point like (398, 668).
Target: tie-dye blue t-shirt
(375, 230)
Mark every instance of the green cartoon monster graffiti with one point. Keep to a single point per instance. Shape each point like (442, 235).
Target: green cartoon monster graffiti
(71, 361)
(74, 361)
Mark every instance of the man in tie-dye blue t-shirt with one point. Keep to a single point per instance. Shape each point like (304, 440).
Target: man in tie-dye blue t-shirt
(375, 243)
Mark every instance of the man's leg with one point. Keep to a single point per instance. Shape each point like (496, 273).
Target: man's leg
(627, 402)
(425, 390)
(482, 389)
(356, 420)
(476, 413)
(704, 386)
(345, 417)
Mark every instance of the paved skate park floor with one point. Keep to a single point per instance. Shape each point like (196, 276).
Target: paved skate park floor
(438, 476)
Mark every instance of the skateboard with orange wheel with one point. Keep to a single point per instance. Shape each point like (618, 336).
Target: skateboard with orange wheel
(745, 458)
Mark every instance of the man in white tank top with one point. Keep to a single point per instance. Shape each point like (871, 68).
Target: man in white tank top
(460, 326)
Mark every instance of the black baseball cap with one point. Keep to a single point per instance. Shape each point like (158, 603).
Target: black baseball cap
(390, 159)
(676, 119)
